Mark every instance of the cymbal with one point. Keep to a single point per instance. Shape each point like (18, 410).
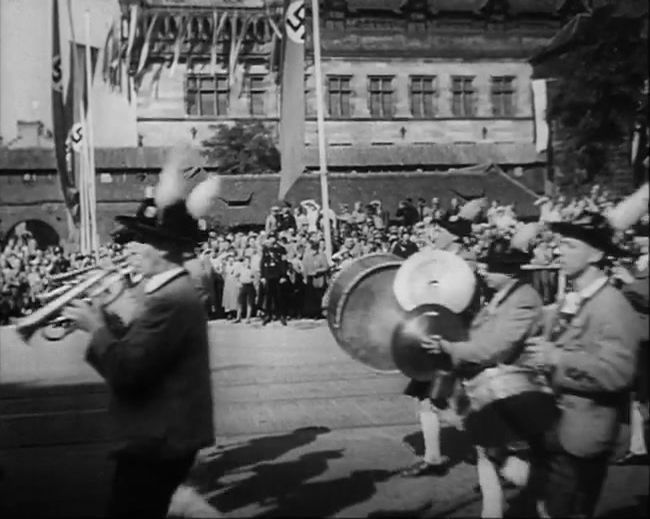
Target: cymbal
(408, 354)
(434, 277)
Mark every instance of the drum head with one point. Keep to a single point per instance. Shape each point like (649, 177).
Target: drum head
(435, 277)
(409, 356)
(362, 311)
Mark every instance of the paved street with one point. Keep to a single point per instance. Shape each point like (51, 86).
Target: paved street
(302, 430)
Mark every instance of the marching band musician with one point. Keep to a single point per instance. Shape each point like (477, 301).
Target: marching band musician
(496, 337)
(590, 350)
(158, 369)
(450, 238)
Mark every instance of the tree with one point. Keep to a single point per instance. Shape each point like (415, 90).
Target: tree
(600, 95)
(245, 148)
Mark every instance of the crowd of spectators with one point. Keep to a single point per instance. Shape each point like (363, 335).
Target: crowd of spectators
(281, 271)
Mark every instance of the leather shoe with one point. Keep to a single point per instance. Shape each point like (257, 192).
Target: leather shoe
(424, 468)
(632, 459)
(283, 320)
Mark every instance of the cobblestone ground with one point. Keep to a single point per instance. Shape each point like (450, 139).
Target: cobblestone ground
(302, 430)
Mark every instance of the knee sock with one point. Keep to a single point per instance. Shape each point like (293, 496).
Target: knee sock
(516, 471)
(637, 438)
(430, 424)
(488, 480)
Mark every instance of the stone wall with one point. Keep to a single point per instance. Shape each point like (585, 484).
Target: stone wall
(39, 198)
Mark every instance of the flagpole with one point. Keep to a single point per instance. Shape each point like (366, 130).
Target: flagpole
(320, 119)
(90, 146)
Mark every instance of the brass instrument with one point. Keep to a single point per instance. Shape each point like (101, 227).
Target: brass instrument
(104, 285)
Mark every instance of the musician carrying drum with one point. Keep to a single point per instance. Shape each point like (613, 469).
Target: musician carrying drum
(509, 404)
(435, 395)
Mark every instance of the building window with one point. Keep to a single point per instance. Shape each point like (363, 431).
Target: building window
(256, 92)
(338, 96)
(206, 95)
(423, 91)
(381, 96)
(503, 96)
(462, 89)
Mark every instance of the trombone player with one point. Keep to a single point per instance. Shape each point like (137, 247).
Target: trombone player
(158, 369)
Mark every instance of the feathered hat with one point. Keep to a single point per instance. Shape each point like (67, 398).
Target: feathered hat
(165, 216)
(629, 211)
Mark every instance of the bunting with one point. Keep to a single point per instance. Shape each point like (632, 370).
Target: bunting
(132, 37)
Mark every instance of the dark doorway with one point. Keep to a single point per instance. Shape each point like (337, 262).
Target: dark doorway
(43, 233)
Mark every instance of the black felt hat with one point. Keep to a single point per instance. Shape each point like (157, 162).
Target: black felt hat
(172, 225)
(502, 258)
(591, 228)
(459, 227)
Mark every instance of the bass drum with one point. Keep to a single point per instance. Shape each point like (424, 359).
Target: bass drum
(362, 311)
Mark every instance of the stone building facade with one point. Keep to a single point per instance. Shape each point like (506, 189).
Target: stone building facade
(418, 85)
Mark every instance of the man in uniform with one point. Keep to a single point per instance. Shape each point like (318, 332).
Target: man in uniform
(590, 351)
(273, 274)
(157, 369)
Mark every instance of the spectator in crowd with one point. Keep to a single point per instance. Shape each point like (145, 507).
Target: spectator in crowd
(454, 209)
(404, 247)
(358, 214)
(245, 275)
(407, 214)
(315, 268)
(286, 220)
(272, 220)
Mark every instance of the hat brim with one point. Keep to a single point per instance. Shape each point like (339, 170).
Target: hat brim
(509, 263)
(594, 237)
(150, 233)
(460, 228)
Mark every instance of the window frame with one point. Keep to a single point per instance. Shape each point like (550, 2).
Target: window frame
(343, 94)
(421, 111)
(503, 90)
(258, 90)
(194, 90)
(467, 95)
(385, 94)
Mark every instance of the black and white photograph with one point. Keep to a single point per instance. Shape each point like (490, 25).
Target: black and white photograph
(324, 258)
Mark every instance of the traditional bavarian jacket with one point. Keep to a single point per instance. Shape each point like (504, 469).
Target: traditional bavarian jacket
(598, 344)
(499, 331)
(159, 372)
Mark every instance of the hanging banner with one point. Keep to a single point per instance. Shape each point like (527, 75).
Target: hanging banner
(540, 100)
(292, 116)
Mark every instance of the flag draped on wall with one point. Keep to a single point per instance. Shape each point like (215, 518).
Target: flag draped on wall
(292, 116)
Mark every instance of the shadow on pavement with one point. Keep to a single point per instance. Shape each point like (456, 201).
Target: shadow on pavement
(274, 483)
(207, 474)
(415, 512)
(454, 444)
(638, 510)
(327, 498)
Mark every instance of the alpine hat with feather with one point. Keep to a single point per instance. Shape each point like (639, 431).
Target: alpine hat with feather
(166, 219)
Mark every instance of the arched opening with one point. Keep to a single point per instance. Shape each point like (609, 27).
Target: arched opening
(42, 232)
